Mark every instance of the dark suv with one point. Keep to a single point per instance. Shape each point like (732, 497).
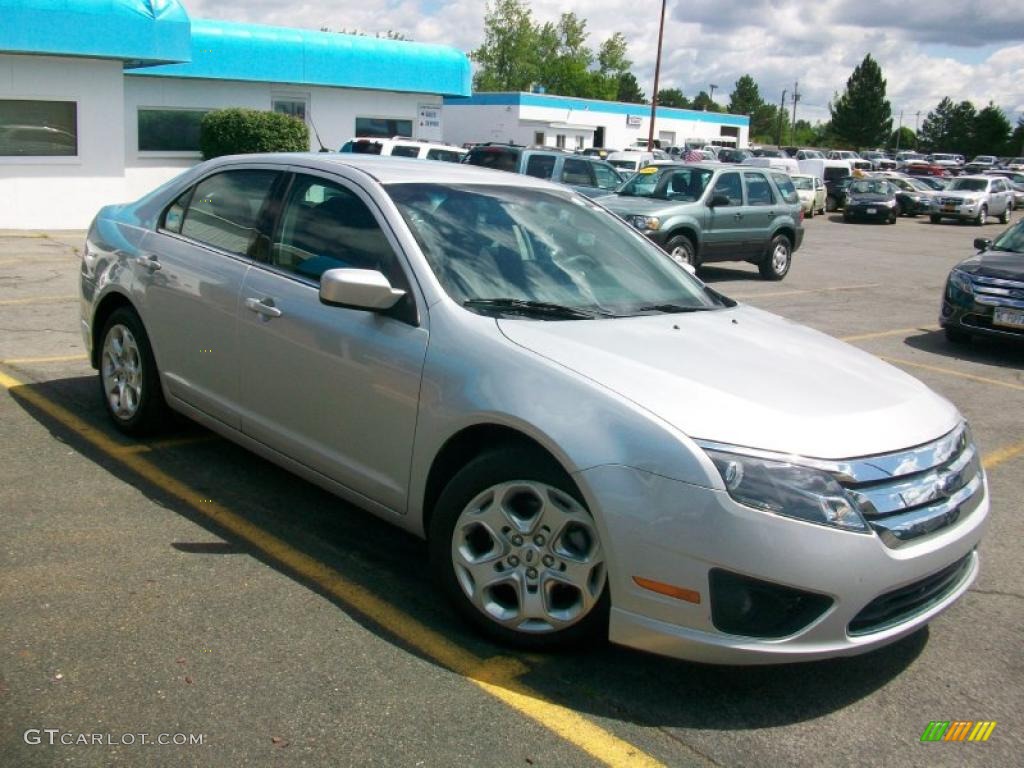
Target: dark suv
(589, 176)
(704, 213)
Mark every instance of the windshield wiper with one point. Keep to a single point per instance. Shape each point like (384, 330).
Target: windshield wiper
(526, 307)
(673, 308)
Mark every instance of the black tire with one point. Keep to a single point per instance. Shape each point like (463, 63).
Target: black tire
(892, 218)
(1005, 217)
(772, 268)
(935, 219)
(810, 213)
(830, 204)
(683, 248)
(502, 465)
(151, 411)
(957, 335)
(847, 216)
(900, 210)
(982, 216)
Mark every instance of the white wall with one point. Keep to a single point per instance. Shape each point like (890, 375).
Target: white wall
(65, 192)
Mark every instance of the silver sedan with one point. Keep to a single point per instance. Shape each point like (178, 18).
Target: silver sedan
(594, 442)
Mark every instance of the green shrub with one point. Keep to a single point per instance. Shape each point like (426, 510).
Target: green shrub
(242, 131)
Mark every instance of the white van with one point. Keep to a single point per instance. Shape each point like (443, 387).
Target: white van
(402, 146)
(826, 170)
(631, 160)
(784, 164)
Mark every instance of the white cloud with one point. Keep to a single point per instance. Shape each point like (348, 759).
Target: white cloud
(717, 41)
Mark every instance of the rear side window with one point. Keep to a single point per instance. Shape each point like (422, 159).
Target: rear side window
(540, 166)
(578, 172)
(759, 191)
(786, 188)
(405, 150)
(499, 158)
(445, 155)
(607, 178)
(834, 173)
(225, 208)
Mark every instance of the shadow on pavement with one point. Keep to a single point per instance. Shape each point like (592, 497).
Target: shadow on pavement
(607, 681)
(980, 349)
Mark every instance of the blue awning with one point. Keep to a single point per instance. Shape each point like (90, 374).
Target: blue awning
(233, 51)
(138, 32)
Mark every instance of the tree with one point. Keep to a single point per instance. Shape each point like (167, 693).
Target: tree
(673, 97)
(936, 129)
(763, 123)
(508, 56)
(703, 102)
(1016, 145)
(564, 59)
(630, 90)
(745, 98)
(904, 138)
(991, 132)
(862, 116)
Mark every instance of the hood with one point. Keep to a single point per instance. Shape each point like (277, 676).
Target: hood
(1006, 265)
(641, 206)
(867, 197)
(746, 377)
(961, 194)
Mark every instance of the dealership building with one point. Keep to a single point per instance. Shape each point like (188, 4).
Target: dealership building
(558, 121)
(100, 100)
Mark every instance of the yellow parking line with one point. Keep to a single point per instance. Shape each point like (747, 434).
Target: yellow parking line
(950, 372)
(172, 442)
(799, 291)
(35, 360)
(496, 677)
(998, 456)
(894, 332)
(37, 300)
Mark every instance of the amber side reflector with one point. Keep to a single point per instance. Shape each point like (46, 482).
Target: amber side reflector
(689, 595)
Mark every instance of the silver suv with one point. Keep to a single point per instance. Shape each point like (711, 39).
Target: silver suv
(974, 198)
(704, 213)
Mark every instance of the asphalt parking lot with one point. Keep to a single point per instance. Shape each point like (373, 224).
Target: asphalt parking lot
(184, 587)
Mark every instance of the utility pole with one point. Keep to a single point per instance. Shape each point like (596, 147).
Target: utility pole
(796, 98)
(712, 87)
(916, 122)
(657, 74)
(899, 131)
(782, 112)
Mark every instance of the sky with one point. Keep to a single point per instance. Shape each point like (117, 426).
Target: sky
(928, 49)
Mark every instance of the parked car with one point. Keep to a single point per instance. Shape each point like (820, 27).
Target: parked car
(934, 182)
(598, 152)
(713, 212)
(950, 162)
(871, 200)
(400, 146)
(1016, 179)
(913, 197)
(981, 163)
(842, 154)
(592, 441)
(631, 161)
(984, 293)
(769, 152)
(727, 155)
(879, 161)
(974, 198)
(808, 154)
(833, 173)
(925, 168)
(785, 164)
(1015, 164)
(587, 175)
(811, 190)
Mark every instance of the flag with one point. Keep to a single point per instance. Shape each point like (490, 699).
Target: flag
(692, 156)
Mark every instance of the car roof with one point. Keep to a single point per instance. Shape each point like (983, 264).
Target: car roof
(390, 170)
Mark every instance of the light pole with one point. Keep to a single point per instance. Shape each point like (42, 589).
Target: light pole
(712, 87)
(657, 74)
(899, 131)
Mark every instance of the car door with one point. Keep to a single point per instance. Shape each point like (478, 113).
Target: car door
(192, 270)
(819, 194)
(760, 212)
(1003, 194)
(335, 389)
(725, 230)
(578, 173)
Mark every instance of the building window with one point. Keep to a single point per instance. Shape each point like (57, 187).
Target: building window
(294, 107)
(579, 142)
(383, 127)
(538, 138)
(38, 128)
(169, 130)
(560, 141)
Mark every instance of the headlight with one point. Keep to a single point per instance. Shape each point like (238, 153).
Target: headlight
(645, 222)
(890, 203)
(961, 281)
(786, 489)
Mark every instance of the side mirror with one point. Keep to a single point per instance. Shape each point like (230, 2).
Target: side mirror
(719, 200)
(982, 243)
(358, 289)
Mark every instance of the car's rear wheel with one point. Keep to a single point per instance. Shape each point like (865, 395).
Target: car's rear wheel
(780, 257)
(682, 250)
(810, 212)
(128, 375)
(515, 549)
(982, 216)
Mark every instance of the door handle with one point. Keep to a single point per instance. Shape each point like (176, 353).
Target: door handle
(261, 307)
(148, 262)
(737, 216)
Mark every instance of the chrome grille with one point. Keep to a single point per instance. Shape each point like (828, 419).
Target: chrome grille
(951, 201)
(998, 291)
(907, 495)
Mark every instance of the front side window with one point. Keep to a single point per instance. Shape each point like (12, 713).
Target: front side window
(38, 128)
(225, 208)
(405, 150)
(728, 184)
(759, 191)
(326, 226)
(540, 166)
(607, 178)
(169, 130)
(578, 172)
(488, 243)
(677, 184)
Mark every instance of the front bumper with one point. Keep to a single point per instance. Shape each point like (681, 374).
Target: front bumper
(959, 211)
(863, 212)
(676, 533)
(975, 314)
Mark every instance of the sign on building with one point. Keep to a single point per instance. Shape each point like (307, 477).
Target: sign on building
(428, 122)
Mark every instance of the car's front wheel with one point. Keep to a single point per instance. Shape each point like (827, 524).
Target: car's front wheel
(128, 375)
(982, 216)
(516, 550)
(682, 250)
(1005, 218)
(780, 257)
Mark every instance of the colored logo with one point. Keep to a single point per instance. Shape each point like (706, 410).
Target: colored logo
(958, 730)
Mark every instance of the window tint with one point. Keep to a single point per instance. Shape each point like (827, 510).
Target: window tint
(169, 130)
(728, 184)
(786, 188)
(578, 172)
(38, 128)
(405, 150)
(759, 191)
(174, 215)
(445, 155)
(834, 173)
(325, 226)
(499, 158)
(607, 178)
(540, 166)
(224, 209)
(362, 147)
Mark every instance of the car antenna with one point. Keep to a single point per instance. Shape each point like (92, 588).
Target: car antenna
(317, 134)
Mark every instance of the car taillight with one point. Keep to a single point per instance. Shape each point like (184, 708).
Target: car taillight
(801, 219)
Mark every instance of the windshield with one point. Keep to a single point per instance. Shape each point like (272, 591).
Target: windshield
(968, 185)
(677, 183)
(629, 165)
(510, 245)
(803, 182)
(918, 185)
(866, 187)
(943, 157)
(1011, 240)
